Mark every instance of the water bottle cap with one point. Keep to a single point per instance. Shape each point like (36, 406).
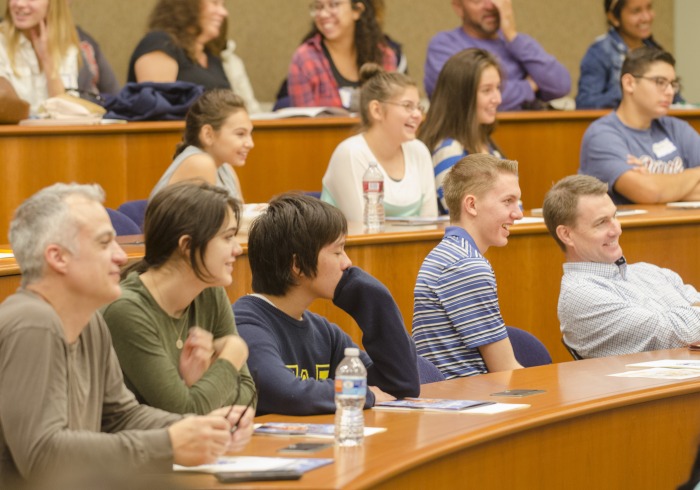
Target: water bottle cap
(352, 352)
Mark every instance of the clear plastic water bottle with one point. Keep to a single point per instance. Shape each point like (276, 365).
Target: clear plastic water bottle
(350, 392)
(373, 192)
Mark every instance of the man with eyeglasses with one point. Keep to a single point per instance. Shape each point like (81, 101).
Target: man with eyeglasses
(642, 154)
(532, 75)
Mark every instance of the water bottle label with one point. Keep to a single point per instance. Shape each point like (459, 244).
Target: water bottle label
(351, 386)
(373, 186)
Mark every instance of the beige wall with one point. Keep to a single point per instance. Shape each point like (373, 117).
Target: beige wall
(268, 31)
(687, 39)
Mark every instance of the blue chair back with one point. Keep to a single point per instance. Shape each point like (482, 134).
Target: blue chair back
(136, 210)
(427, 371)
(122, 224)
(528, 349)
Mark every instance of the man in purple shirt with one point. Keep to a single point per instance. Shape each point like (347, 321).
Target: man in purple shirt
(530, 73)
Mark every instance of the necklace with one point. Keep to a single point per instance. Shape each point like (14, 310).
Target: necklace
(178, 343)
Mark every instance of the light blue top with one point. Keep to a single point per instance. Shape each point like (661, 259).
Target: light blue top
(225, 177)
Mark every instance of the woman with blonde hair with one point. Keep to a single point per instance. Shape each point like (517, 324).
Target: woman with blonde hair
(181, 44)
(39, 52)
(391, 112)
(462, 112)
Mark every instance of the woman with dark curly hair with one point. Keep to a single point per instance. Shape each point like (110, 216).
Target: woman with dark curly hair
(181, 44)
(325, 69)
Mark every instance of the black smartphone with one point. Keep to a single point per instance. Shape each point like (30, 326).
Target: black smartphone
(517, 393)
(305, 447)
(267, 475)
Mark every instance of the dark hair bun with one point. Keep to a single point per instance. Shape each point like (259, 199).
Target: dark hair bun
(369, 71)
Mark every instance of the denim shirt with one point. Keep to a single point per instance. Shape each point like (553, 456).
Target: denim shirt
(599, 84)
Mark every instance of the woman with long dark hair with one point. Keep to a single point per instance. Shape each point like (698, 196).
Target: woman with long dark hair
(325, 69)
(462, 112)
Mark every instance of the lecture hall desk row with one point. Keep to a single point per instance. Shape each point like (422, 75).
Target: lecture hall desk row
(128, 159)
(587, 431)
(528, 270)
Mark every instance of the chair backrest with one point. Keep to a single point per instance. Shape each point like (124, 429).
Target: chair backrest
(136, 210)
(427, 371)
(573, 353)
(122, 224)
(528, 349)
(316, 194)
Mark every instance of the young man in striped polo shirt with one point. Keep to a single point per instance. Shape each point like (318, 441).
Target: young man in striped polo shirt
(457, 322)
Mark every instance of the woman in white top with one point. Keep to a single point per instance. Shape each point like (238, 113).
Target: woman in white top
(39, 49)
(390, 113)
(218, 137)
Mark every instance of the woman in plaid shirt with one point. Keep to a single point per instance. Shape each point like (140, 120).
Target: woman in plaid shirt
(325, 69)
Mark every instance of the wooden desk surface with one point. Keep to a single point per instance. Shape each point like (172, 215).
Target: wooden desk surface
(528, 270)
(587, 431)
(291, 154)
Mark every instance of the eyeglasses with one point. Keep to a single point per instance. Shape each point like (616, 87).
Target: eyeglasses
(663, 83)
(409, 107)
(332, 7)
(253, 400)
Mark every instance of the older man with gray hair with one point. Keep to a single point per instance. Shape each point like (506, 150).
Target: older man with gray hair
(64, 409)
(608, 307)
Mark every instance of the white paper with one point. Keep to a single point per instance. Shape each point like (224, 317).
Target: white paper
(660, 373)
(416, 220)
(684, 205)
(527, 220)
(496, 408)
(240, 463)
(368, 431)
(669, 363)
(630, 212)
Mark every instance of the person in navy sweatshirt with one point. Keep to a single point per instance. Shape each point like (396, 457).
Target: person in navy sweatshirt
(296, 250)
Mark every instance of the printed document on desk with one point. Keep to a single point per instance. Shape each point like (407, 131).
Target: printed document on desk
(290, 112)
(320, 431)
(660, 373)
(669, 363)
(255, 463)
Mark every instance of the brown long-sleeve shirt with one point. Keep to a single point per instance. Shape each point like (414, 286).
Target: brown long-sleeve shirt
(64, 407)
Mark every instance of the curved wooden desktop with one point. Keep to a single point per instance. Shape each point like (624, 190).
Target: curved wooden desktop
(290, 154)
(588, 431)
(528, 270)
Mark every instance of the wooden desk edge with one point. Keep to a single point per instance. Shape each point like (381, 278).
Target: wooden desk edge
(547, 417)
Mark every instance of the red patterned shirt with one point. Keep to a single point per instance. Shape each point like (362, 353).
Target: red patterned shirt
(311, 80)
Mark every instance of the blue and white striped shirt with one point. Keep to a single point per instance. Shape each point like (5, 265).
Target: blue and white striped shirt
(456, 306)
